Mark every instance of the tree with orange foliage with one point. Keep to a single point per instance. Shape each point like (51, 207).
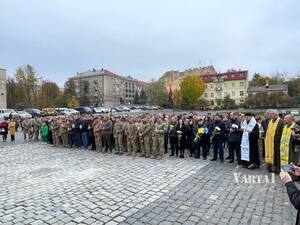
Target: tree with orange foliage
(191, 88)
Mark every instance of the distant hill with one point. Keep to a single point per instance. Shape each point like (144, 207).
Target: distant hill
(174, 77)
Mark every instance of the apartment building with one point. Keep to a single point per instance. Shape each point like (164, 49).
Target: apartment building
(107, 88)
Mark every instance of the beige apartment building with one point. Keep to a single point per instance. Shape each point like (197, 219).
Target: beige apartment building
(233, 83)
(107, 88)
(2, 88)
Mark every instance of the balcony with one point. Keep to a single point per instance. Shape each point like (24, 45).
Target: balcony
(218, 88)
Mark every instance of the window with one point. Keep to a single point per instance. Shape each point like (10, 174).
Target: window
(225, 85)
(242, 100)
(211, 86)
(212, 103)
(225, 94)
(233, 93)
(242, 93)
(233, 84)
(212, 95)
(242, 83)
(219, 94)
(205, 95)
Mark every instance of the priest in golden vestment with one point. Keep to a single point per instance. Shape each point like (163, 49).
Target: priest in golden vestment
(288, 153)
(272, 142)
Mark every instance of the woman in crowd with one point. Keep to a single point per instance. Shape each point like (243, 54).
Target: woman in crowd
(4, 130)
(12, 129)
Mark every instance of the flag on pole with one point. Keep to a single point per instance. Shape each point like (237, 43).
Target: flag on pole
(171, 103)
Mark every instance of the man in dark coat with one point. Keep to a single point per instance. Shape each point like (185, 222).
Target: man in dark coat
(292, 190)
(186, 134)
(218, 138)
(173, 128)
(234, 137)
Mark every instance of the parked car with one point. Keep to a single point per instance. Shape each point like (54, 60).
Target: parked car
(4, 113)
(49, 112)
(84, 110)
(68, 112)
(121, 109)
(132, 107)
(295, 112)
(24, 115)
(34, 112)
(60, 111)
(124, 108)
(72, 111)
(112, 110)
(100, 110)
(144, 107)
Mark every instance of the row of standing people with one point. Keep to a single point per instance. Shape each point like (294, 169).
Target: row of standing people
(154, 135)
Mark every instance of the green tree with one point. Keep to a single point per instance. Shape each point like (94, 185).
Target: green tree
(143, 97)
(49, 91)
(200, 104)
(69, 89)
(27, 78)
(271, 100)
(228, 103)
(136, 99)
(184, 103)
(192, 87)
(59, 102)
(258, 80)
(157, 94)
(15, 97)
(177, 98)
(294, 87)
(84, 98)
(72, 102)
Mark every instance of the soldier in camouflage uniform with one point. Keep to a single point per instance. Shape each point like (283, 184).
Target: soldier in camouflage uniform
(145, 135)
(125, 124)
(152, 134)
(140, 140)
(159, 130)
(30, 130)
(55, 132)
(36, 127)
(131, 133)
(25, 127)
(70, 129)
(63, 132)
(97, 126)
(118, 135)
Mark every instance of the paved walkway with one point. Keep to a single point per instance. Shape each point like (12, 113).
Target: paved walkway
(45, 185)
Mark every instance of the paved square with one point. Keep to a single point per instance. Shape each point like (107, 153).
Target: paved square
(45, 185)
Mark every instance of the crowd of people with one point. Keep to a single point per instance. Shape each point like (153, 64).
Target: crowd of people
(8, 127)
(250, 139)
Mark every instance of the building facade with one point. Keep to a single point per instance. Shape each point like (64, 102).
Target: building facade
(2, 88)
(280, 88)
(107, 88)
(233, 83)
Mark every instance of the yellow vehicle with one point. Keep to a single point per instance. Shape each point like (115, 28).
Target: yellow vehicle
(49, 112)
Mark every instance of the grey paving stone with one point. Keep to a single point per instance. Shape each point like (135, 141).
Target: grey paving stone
(42, 184)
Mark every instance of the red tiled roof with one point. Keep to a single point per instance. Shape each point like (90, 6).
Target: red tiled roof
(228, 76)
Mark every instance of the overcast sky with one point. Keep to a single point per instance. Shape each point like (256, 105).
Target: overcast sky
(145, 38)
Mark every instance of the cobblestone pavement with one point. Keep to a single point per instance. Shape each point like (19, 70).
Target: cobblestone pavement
(45, 185)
